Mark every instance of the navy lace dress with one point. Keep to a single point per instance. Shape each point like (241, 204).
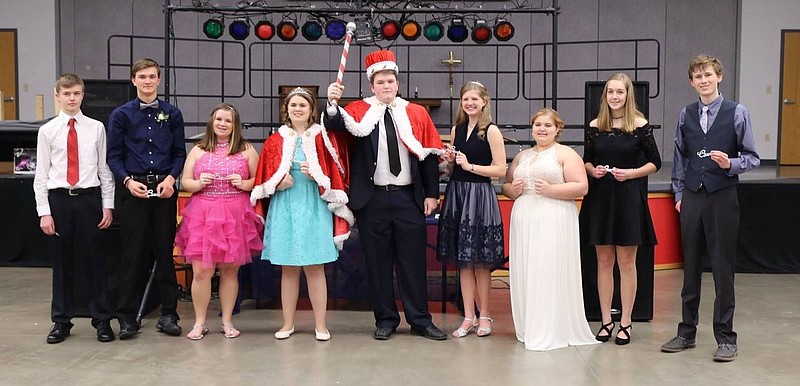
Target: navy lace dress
(616, 213)
(470, 226)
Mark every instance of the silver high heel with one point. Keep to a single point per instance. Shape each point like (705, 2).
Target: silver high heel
(461, 331)
(485, 331)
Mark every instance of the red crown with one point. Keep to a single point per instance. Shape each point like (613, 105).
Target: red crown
(382, 60)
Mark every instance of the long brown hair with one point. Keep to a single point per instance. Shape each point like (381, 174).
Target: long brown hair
(631, 112)
(485, 117)
(236, 144)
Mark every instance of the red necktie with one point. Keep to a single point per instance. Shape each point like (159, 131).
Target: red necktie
(72, 154)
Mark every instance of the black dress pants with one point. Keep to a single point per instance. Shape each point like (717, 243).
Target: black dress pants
(148, 230)
(76, 219)
(393, 236)
(709, 226)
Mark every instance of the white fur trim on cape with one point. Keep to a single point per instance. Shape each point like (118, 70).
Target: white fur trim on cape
(337, 199)
(340, 239)
(376, 112)
(386, 65)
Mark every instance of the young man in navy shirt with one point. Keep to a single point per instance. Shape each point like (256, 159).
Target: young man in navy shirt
(146, 151)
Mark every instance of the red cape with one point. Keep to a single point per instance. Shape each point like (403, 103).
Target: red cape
(414, 125)
(323, 164)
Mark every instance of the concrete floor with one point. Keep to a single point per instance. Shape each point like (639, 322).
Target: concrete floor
(767, 320)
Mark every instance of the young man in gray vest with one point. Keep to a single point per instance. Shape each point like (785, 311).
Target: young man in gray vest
(713, 145)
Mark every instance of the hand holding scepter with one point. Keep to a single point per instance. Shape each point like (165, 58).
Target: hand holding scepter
(351, 27)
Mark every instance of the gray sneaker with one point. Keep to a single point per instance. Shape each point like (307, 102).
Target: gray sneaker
(677, 344)
(726, 352)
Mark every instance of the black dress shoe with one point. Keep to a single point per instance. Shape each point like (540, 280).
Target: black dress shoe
(430, 332)
(104, 332)
(59, 332)
(383, 333)
(168, 324)
(128, 329)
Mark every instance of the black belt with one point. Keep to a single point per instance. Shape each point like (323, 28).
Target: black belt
(76, 191)
(149, 178)
(393, 188)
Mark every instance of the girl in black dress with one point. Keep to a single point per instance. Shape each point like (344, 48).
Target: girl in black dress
(620, 152)
(470, 226)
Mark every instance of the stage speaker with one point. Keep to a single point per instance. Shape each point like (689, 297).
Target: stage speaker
(102, 96)
(642, 308)
(594, 94)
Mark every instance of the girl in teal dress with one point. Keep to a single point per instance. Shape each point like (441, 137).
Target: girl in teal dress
(303, 229)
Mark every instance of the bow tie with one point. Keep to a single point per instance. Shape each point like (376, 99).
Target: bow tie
(153, 104)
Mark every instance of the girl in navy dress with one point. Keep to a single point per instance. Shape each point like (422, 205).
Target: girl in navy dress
(470, 227)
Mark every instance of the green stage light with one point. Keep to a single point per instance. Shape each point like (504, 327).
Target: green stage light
(312, 30)
(433, 31)
(213, 28)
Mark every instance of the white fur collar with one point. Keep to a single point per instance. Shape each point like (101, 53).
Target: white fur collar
(402, 122)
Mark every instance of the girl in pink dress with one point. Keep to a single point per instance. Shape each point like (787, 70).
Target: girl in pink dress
(219, 228)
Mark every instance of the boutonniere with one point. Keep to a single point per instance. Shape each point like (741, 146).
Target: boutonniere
(162, 116)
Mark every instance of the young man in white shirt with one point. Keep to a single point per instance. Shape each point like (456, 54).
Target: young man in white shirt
(74, 191)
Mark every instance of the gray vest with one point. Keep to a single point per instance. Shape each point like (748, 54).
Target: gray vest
(721, 136)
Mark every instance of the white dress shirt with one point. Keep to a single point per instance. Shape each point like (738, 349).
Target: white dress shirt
(51, 159)
(382, 174)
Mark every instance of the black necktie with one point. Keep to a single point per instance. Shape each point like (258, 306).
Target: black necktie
(153, 104)
(391, 143)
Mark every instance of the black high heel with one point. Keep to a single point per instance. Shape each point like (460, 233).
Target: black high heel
(625, 330)
(608, 327)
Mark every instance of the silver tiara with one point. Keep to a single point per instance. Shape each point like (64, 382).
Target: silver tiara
(475, 82)
(298, 90)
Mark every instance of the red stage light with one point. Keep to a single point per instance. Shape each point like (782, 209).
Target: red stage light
(390, 29)
(481, 33)
(265, 30)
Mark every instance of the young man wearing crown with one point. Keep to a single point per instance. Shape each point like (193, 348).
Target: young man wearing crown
(393, 170)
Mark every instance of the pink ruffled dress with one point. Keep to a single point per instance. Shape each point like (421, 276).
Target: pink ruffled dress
(219, 225)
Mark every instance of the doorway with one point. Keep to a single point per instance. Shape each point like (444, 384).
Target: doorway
(789, 111)
(8, 74)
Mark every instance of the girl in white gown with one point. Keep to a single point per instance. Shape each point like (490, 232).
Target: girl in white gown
(544, 247)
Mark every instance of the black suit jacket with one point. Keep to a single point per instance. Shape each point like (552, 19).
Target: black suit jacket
(363, 157)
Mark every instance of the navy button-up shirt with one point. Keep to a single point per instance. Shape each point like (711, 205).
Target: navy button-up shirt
(149, 141)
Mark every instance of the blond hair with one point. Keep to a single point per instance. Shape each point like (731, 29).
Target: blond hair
(485, 117)
(630, 111)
